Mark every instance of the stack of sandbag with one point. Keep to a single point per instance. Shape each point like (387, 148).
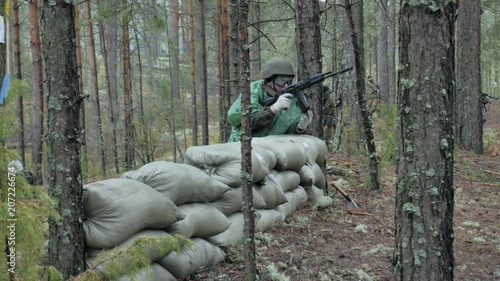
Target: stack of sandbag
(202, 200)
(302, 154)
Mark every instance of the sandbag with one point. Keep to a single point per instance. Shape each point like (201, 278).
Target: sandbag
(234, 234)
(313, 194)
(190, 259)
(153, 273)
(289, 155)
(115, 209)
(315, 148)
(232, 201)
(319, 177)
(179, 182)
(268, 219)
(223, 162)
(152, 252)
(201, 220)
(306, 175)
(297, 199)
(272, 194)
(287, 180)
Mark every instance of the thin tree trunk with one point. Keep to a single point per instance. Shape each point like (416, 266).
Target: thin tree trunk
(468, 112)
(194, 122)
(97, 135)
(79, 67)
(234, 51)
(202, 54)
(38, 94)
(174, 49)
(382, 51)
(360, 82)
(391, 46)
(66, 236)
(19, 75)
(424, 185)
(246, 146)
(127, 92)
(147, 149)
(112, 109)
(256, 60)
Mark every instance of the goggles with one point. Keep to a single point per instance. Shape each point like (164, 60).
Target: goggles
(282, 81)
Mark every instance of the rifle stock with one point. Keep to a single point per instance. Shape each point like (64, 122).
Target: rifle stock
(296, 89)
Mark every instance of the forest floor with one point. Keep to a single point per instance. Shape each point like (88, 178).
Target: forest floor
(334, 244)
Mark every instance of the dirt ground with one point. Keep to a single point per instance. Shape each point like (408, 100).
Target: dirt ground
(331, 244)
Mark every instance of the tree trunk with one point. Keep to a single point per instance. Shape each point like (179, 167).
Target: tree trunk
(234, 52)
(79, 67)
(97, 135)
(19, 75)
(202, 62)
(174, 50)
(246, 146)
(112, 109)
(226, 74)
(256, 60)
(308, 45)
(360, 82)
(111, 40)
(468, 112)
(66, 240)
(192, 47)
(38, 94)
(391, 47)
(127, 92)
(424, 185)
(382, 51)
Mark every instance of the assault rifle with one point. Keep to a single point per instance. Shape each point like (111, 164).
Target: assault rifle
(296, 89)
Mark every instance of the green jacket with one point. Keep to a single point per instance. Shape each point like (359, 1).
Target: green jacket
(280, 123)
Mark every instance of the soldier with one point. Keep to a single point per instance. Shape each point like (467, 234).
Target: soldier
(331, 105)
(373, 95)
(282, 117)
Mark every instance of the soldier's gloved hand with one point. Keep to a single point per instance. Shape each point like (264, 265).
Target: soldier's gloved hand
(305, 120)
(283, 102)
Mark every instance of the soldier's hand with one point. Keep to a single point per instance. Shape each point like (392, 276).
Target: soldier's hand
(283, 102)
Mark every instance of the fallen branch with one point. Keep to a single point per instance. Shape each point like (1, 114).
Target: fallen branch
(490, 172)
(360, 213)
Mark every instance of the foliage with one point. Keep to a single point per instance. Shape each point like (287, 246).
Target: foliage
(131, 260)
(387, 129)
(29, 205)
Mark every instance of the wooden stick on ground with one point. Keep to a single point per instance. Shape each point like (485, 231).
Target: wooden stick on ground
(490, 172)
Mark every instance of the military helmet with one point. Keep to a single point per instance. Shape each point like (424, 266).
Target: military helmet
(276, 67)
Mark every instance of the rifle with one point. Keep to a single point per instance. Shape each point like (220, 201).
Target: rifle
(296, 89)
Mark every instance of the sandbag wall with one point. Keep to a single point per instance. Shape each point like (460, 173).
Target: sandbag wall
(201, 199)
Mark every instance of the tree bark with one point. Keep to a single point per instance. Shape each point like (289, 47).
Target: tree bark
(127, 92)
(246, 145)
(66, 240)
(308, 45)
(360, 82)
(97, 134)
(382, 51)
(38, 94)
(256, 60)
(424, 185)
(202, 55)
(19, 75)
(468, 111)
(192, 47)
(112, 109)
